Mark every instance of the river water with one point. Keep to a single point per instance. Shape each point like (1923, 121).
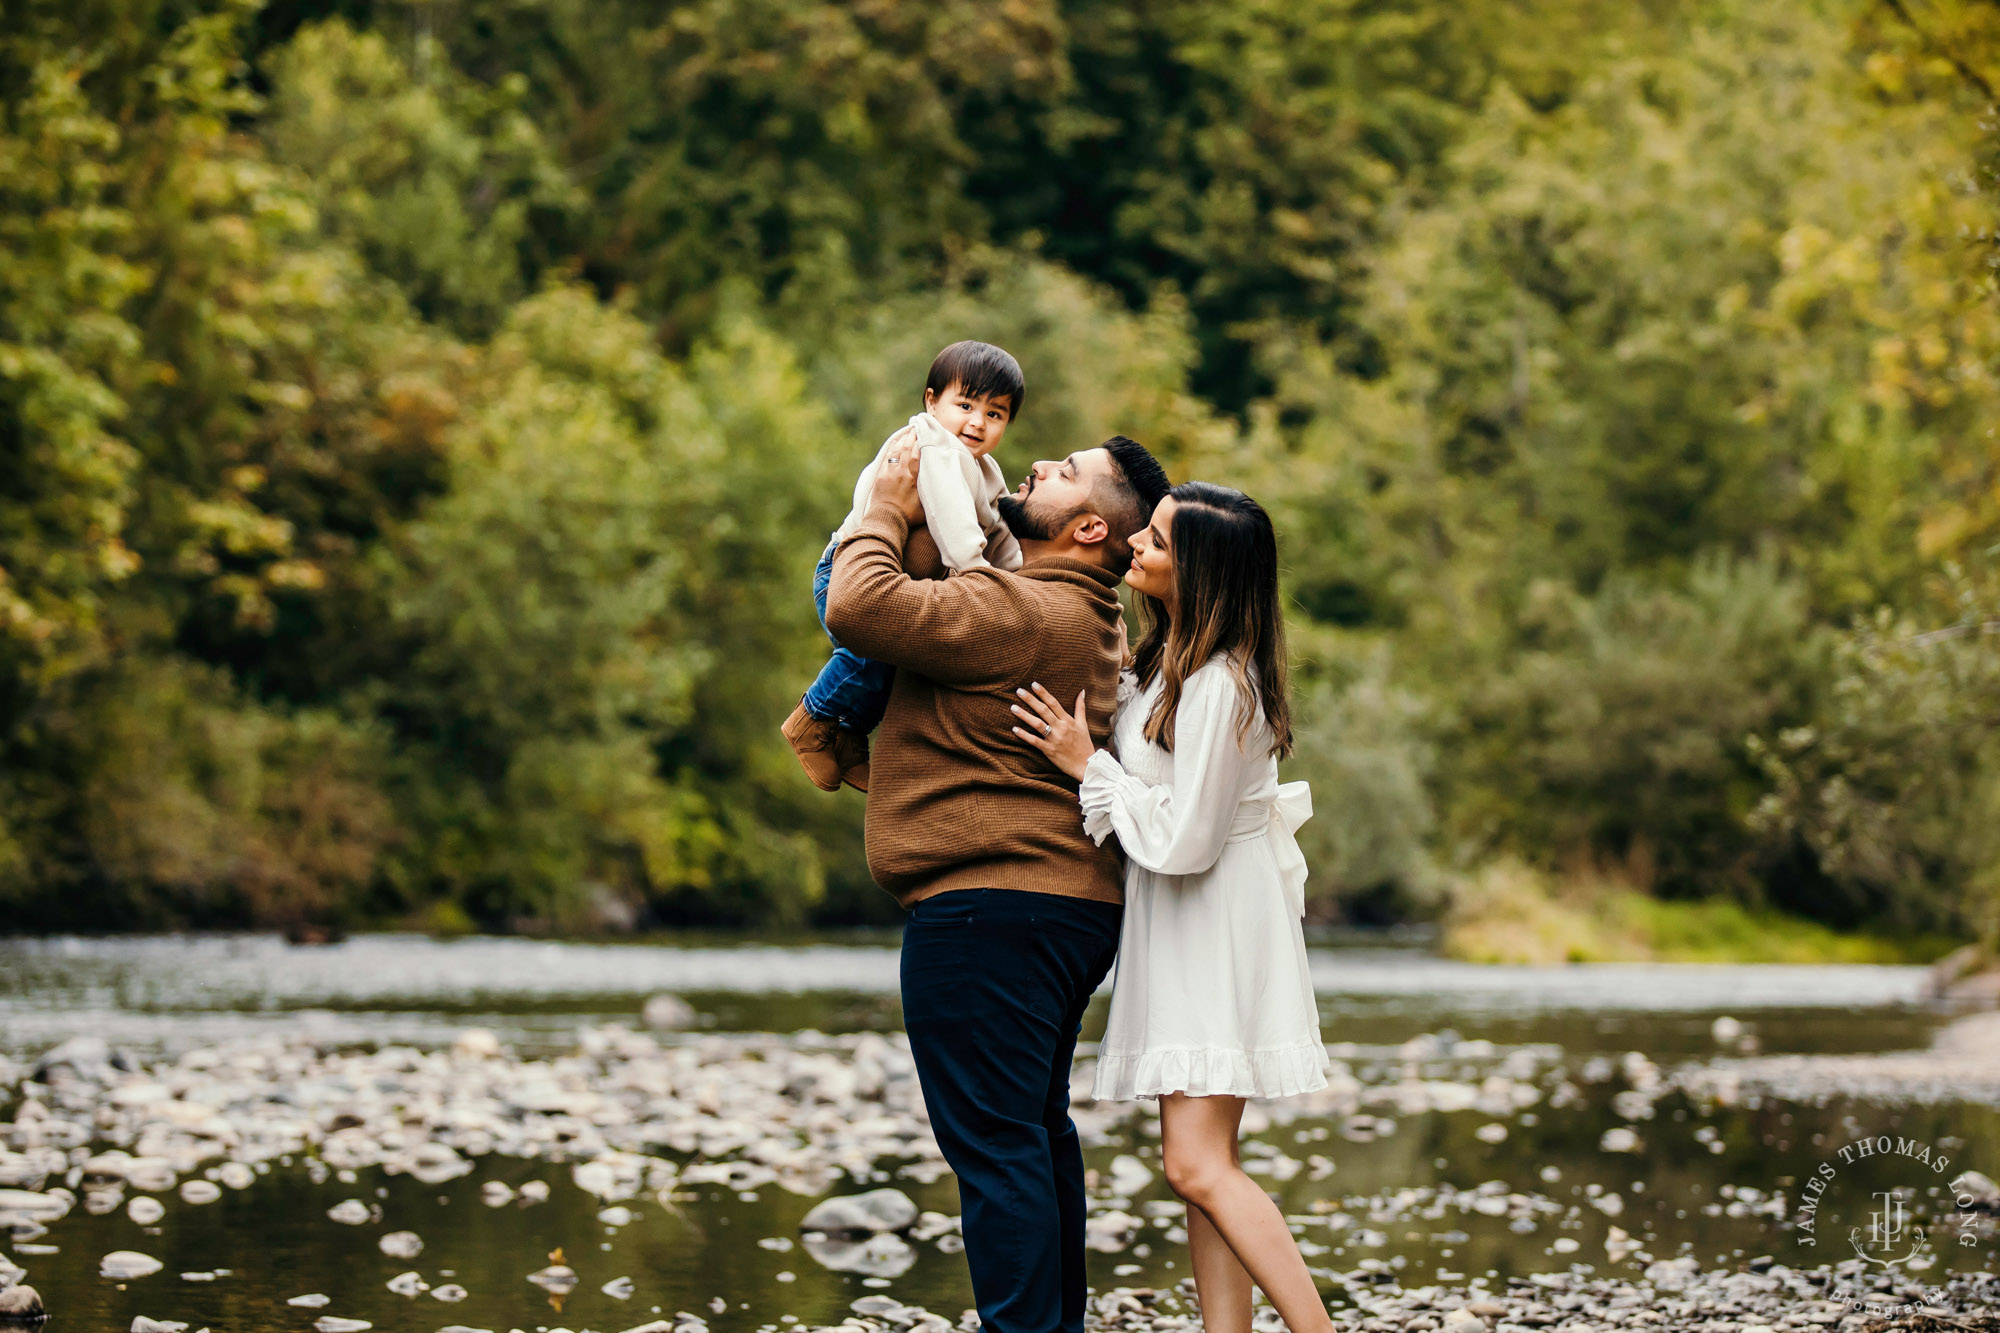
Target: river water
(1369, 1191)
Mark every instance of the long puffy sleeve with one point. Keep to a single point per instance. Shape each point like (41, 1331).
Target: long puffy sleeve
(1003, 548)
(947, 474)
(1178, 829)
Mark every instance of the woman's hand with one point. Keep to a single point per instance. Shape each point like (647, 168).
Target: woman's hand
(1063, 737)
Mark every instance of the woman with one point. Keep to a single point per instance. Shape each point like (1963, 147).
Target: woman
(1212, 1003)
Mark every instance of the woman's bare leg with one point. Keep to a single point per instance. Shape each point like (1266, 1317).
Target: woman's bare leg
(1221, 1282)
(1198, 1142)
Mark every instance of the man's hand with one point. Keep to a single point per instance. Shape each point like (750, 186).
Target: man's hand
(896, 479)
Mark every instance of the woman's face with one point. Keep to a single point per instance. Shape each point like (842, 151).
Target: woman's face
(1152, 571)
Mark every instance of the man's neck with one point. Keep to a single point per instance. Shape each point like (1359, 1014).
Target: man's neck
(1041, 550)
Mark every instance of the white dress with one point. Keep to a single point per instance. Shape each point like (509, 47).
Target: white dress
(1212, 994)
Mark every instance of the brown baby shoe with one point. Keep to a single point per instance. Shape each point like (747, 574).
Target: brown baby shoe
(851, 748)
(818, 744)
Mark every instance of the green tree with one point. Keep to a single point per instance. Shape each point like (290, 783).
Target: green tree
(1894, 785)
(601, 611)
(442, 185)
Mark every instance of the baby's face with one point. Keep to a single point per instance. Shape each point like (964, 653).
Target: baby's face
(978, 421)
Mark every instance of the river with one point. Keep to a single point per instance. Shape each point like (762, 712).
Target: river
(1552, 1090)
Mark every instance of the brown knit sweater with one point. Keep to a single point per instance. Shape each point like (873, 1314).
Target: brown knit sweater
(955, 799)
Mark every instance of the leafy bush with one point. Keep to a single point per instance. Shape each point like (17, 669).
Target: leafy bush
(1366, 749)
(196, 805)
(1894, 784)
(1619, 729)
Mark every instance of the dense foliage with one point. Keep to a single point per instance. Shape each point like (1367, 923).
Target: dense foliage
(418, 425)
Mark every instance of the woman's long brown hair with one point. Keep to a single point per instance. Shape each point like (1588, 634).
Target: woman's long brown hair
(1225, 557)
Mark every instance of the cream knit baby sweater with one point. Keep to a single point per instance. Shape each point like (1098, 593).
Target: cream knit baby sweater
(961, 498)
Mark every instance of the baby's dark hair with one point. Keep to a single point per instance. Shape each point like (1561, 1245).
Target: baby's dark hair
(979, 369)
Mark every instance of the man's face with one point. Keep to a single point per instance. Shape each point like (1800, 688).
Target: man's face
(1055, 492)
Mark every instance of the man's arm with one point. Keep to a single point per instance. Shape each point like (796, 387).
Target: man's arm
(962, 630)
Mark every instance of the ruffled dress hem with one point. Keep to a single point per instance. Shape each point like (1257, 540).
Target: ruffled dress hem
(1285, 1071)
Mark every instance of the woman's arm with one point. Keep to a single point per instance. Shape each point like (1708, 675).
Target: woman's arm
(1176, 829)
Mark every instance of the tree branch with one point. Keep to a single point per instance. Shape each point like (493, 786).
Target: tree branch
(1965, 71)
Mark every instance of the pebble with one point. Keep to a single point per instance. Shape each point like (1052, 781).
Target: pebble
(311, 1302)
(125, 1264)
(141, 1324)
(330, 1323)
(862, 1214)
(885, 1255)
(666, 1013)
(21, 1304)
(450, 1292)
(556, 1277)
(1129, 1175)
(349, 1212)
(619, 1288)
(145, 1210)
(496, 1194)
(1110, 1232)
(401, 1244)
(408, 1284)
(477, 1044)
(1975, 1191)
(200, 1191)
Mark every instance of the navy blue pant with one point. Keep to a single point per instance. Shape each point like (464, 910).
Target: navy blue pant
(995, 982)
(850, 689)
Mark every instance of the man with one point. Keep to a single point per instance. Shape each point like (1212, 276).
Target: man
(1013, 911)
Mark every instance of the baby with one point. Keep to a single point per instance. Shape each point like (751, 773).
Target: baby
(973, 393)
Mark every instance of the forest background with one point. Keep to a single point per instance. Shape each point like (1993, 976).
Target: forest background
(418, 423)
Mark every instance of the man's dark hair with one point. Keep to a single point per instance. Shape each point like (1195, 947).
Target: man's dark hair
(1127, 500)
(980, 370)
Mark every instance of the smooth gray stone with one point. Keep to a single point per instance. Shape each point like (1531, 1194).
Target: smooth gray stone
(21, 1305)
(852, 1214)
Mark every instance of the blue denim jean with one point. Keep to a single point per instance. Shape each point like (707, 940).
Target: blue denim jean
(850, 690)
(995, 982)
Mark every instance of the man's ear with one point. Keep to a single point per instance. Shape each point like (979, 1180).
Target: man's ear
(1089, 529)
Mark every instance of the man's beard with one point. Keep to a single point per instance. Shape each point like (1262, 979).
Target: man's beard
(1036, 524)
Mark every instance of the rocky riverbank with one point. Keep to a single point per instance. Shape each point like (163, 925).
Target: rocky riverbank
(1673, 1296)
(631, 1117)
(1962, 1065)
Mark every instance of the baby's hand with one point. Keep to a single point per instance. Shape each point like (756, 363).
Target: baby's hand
(896, 479)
